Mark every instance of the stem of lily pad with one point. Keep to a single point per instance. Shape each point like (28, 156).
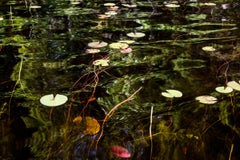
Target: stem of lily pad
(50, 114)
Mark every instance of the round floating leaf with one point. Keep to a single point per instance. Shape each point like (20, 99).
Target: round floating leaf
(136, 34)
(172, 5)
(101, 62)
(35, 7)
(112, 13)
(92, 125)
(120, 152)
(126, 41)
(109, 4)
(118, 45)
(209, 48)
(223, 89)
(103, 16)
(92, 51)
(171, 93)
(97, 44)
(129, 5)
(53, 101)
(205, 99)
(126, 50)
(209, 4)
(234, 85)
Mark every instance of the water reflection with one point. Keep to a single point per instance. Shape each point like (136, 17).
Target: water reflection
(43, 50)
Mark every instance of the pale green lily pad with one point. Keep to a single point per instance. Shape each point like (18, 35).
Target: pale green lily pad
(206, 99)
(109, 4)
(172, 5)
(136, 34)
(209, 48)
(224, 90)
(53, 101)
(234, 85)
(118, 45)
(126, 41)
(171, 93)
(101, 62)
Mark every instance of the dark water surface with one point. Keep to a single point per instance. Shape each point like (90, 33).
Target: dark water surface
(43, 50)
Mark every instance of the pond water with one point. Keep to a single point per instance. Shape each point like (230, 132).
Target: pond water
(117, 101)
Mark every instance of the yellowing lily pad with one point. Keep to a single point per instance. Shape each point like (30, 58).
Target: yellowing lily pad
(118, 45)
(53, 101)
(171, 93)
(92, 125)
(97, 44)
(206, 99)
(209, 48)
(136, 34)
(234, 85)
(101, 62)
(223, 89)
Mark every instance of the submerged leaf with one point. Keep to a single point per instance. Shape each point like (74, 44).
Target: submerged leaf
(92, 125)
(77, 119)
(120, 152)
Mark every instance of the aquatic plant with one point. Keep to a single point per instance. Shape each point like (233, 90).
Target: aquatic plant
(120, 151)
(52, 100)
(172, 93)
(206, 99)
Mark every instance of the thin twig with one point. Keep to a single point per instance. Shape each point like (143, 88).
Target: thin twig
(150, 132)
(111, 112)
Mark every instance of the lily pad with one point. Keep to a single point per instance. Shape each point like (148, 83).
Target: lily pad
(206, 99)
(209, 48)
(92, 51)
(101, 62)
(224, 90)
(97, 44)
(118, 45)
(136, 34)
(53, 101)
(109, 4)
(234, 85)
(171, 93)
(126, 41)
(172, 5)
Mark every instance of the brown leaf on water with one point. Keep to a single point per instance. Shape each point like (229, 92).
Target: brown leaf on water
(92, 125)
(77, 119)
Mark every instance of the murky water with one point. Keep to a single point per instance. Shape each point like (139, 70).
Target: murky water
(44, 47)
